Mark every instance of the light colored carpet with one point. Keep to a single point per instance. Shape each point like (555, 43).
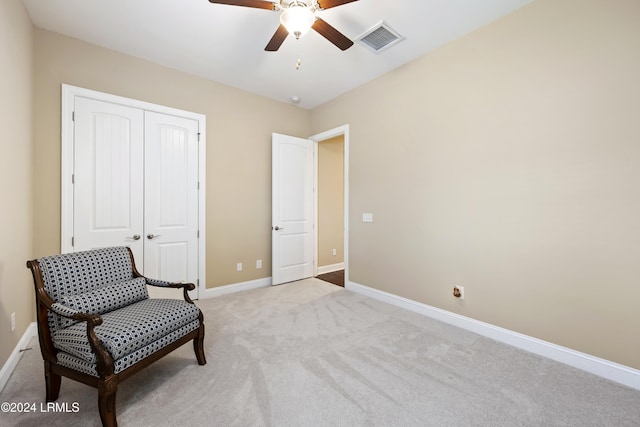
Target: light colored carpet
(314, 354)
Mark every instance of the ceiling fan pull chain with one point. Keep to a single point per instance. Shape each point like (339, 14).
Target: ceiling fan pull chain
(299, 61)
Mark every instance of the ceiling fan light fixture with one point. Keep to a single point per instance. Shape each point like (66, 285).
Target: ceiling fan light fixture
(298, 19)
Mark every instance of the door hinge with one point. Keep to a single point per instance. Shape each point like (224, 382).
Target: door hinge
(198, 234)
(198, 136)
(73, 178)
(198, 186)
(73, 116)
(73, 241)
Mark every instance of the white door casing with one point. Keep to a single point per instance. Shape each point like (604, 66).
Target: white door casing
(292, 209)
(134, 148)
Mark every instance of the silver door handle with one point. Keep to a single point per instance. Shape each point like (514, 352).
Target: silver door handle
(278, 228)
(152, 236)
(134, 237)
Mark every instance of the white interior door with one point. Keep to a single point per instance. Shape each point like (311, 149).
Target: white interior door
(171, 198)
(108, 182)
(292, 208)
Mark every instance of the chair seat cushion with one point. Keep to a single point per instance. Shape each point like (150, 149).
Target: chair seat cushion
(129, 328)
(79, 364)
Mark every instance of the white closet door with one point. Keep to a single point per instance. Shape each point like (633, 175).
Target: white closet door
(108, 177)
(171, 198)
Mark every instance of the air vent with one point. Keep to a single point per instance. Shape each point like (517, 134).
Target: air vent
(380, 37)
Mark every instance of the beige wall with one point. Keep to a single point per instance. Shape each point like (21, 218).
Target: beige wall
(239, 127)
(16, 87)
(331, 201)
(508, 162)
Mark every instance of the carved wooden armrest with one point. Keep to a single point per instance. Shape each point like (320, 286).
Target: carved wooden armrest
(104, 361)
(186, 287)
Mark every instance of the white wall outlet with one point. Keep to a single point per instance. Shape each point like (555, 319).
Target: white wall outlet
(458, 292)
(13, 322)
(239, 266)
(335, 252)
(259, 263)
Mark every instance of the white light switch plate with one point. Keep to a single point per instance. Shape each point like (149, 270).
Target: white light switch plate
(367, 217)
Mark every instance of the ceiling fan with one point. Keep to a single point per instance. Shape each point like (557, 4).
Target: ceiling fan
(297, 18)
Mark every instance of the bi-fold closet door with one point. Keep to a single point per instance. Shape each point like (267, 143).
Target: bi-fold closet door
(135, 183)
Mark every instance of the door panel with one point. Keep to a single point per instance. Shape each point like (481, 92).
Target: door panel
(171, 198)
(108, 184)
(136, 185)
(292, 208)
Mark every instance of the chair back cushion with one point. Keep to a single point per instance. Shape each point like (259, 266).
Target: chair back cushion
(75, 274)
(106, 298)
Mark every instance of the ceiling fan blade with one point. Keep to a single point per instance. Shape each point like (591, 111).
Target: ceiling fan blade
(258, 4)
(328, 4)
(331, 34)
(277, 39)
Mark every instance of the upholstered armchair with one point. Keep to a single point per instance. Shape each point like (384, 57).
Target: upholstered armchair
(97, 324)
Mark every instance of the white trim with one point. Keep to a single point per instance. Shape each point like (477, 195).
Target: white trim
(202, 205)
(16, 354)
(316, 204)
(67, 167)
(332, 133)
(330, 268)
(594, 365)
(235, 287)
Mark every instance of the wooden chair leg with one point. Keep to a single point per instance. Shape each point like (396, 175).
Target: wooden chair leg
(52, 382)
(107, 390)
(198, 346)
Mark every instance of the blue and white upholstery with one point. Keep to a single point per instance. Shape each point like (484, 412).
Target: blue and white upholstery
(102, 282)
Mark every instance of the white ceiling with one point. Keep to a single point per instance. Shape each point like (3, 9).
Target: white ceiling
(226, 43)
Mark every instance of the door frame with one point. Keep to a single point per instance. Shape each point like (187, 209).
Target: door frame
(318, 138)
(69, 93)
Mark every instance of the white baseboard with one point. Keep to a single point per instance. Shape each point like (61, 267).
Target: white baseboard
(604, 368)
(235, 287)
(330, 268)
(14, 358)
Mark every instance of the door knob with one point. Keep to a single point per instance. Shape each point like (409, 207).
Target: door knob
(135, 237)
(278, 228)
(152, 236)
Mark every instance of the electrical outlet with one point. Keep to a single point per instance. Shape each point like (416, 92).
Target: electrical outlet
(259, 263)
(13, 322)
(335, 252)
(458, 292)
(239, 266)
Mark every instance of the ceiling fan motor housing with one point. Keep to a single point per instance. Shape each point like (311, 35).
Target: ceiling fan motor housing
(298, 18)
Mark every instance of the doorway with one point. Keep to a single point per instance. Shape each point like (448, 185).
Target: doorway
(331, 213)
(295, 205)
(330, 210)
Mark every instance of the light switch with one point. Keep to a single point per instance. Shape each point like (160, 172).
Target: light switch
(367, 217)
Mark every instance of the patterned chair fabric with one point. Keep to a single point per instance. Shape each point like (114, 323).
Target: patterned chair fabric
(80, 273)
(103, 299)
(130, 328)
